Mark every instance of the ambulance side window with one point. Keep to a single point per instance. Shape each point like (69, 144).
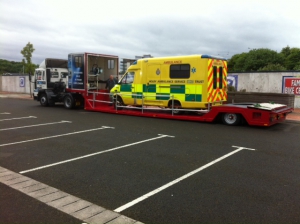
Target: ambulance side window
(181, 71)
(128, 78)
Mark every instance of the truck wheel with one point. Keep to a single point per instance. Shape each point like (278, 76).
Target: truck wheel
(51, 103)
(44, 100)
(69, 102)
(231, 118)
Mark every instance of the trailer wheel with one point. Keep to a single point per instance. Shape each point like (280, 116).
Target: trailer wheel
(69, 102)
(231, 119)
(44, 100)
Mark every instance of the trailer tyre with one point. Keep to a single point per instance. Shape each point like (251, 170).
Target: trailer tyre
(44, 100)
(231, 119)
(69, 102)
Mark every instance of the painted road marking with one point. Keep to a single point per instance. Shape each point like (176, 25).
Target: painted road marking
(69, 204)
(56, 136)
(35, 125)
(17, 118)
(96, 153)
(5, 113)
(178, 180)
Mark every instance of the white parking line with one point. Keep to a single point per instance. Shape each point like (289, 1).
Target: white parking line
(5, 113)
(178, 180)
(97, 153)
(69, 204)
(17, 118)
(35, 125)
(55, 136)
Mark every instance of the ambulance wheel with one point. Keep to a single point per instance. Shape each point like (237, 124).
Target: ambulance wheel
(69, 102)
(177, 105)
(44, 100)
(231, 119)
(118, 102)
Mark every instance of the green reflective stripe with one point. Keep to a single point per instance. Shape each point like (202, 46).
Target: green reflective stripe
(193, 97)
(198, 98)
(125, 88)
(137, 95)
(163, 96)
(177, 89)
(149, 88)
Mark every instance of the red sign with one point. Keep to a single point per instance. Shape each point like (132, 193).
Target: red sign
(291, 85)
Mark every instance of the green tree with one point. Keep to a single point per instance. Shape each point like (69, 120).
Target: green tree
(10, 67)
(297, 67)
(236, 63)
(273, 67)
(27, 54)
(255, 60)
(293, 59)
(259, 58)
(232, 62)
(285, 51)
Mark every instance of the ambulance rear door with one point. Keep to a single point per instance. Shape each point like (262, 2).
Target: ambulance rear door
(217, 84)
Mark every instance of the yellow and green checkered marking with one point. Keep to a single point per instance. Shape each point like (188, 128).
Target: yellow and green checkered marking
(188, 93)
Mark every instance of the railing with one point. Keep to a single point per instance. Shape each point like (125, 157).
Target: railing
(94, 97)
(143, 107)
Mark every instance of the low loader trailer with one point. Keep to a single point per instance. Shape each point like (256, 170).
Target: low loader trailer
(254, 114)
(192, 88)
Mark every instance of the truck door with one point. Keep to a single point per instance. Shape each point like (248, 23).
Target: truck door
(48, 77)
(40, 79)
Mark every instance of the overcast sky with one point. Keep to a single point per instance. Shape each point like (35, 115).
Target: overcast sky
(129, 28)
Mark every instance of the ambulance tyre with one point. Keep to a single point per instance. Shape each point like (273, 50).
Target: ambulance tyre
(177, 105)
(118, 102)
(69, 102)
(231, 119)
(44, 100)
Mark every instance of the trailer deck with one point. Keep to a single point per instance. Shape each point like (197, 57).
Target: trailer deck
(266, 114)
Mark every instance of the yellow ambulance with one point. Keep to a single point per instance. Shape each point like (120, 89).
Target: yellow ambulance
(191, 82)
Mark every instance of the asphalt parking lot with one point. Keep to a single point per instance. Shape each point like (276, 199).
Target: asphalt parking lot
(131, 169)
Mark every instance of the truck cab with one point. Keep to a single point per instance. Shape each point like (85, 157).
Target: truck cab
(50, 71)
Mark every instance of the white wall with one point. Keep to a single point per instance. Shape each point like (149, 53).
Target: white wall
(253, 82)
(12, 84)
(264, 82)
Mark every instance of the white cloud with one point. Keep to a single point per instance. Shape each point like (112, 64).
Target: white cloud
(133, 27)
